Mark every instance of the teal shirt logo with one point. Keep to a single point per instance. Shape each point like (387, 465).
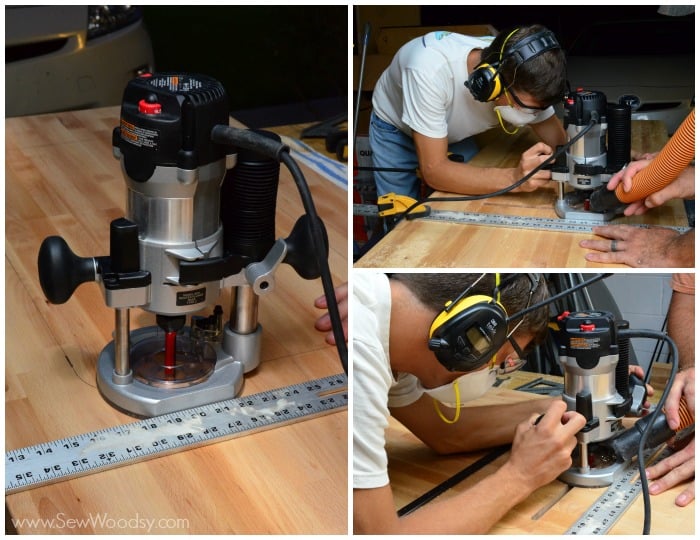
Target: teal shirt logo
(441, 34)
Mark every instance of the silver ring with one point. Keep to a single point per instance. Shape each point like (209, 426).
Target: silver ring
(613, 246)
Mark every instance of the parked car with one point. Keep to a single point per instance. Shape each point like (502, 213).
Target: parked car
(71, 57)
(649, 63)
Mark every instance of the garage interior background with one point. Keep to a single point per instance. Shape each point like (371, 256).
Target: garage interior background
(279, 64)
(658, 48)
(643, 301)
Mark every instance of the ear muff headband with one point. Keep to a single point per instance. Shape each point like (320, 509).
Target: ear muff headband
(485, 82)
(466, 335)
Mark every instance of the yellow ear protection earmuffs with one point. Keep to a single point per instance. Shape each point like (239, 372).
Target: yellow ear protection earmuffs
(469, 330)
(485, 82)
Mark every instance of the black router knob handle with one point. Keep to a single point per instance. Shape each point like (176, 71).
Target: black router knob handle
(61, 270)
(300, 248)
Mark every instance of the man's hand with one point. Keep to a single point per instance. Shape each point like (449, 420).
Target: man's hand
(323, 323)
(679, 466)
(683, 386)
(532, 158)
(673, 470)
(656, 247)
(639, 372)
(542, 449)
(682, 187)
(624, 177)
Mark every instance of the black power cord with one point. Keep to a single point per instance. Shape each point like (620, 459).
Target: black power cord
(319, 241)
(560, 150)
(249, 140)
(556, 297)
(653, 334)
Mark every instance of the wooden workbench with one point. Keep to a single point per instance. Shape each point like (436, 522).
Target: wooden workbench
(424, 243)
(414, 470)
(61, 178)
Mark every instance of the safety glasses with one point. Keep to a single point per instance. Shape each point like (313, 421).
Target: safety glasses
(525, 108)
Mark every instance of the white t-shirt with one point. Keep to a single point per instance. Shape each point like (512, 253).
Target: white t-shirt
(423, 89)
(374, 387)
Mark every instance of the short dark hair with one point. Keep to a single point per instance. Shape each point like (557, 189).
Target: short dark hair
(435, 290)
(544, 77)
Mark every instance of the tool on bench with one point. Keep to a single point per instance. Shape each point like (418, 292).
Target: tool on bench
(382, 216)
(595, 361)
(541, 386)
(200, 217)
(392, 205)
(594, 354)
(590, 162)
(336, 138)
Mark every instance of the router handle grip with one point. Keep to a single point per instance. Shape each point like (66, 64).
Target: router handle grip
(61, 271)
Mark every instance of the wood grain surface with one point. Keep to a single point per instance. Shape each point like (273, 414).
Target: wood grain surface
(424, 243)
(61, 178)
(414, 469)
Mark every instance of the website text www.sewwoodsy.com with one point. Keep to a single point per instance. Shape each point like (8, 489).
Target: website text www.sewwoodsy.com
(100, 522)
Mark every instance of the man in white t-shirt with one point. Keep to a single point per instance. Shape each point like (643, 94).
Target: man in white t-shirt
(404, 365)
(443, 88)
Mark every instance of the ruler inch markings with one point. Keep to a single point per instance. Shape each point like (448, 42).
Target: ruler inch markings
(527, 222)
(612, 504)
(512, 222)
(148, 438)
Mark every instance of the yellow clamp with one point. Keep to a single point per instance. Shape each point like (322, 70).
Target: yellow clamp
(392, 204)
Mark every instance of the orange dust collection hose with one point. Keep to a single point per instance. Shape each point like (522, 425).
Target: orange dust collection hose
(666, 166)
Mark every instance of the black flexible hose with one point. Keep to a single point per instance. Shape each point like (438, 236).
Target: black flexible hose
(250, 140)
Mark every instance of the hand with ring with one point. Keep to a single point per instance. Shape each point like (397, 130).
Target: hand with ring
(655, 247)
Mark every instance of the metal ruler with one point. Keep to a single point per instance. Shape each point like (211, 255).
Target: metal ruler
(108, 448)
(610, 506)
(500, 220)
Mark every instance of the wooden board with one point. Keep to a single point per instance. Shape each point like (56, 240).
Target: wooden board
(61, 178)
(424, 243)
(414, 470)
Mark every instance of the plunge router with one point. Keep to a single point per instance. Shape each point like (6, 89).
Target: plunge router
(200, 218)
(602, 150)
(594, 355)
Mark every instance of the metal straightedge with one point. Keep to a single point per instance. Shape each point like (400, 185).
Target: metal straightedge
(88, 453)
(512, 222)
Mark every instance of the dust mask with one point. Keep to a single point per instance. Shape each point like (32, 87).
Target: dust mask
(466, 388)
(469, 386)
(515, 117)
